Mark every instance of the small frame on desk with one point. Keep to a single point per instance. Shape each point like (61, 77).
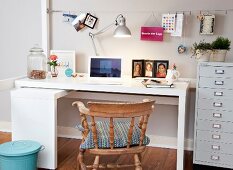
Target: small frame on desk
(149, 68)
(90, 21)
(161, 67)
(66, 59)
(137, 68)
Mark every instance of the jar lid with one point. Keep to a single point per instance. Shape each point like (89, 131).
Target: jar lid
(19, 148)
(36, 49)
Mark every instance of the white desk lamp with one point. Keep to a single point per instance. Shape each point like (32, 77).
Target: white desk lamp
(121, 31)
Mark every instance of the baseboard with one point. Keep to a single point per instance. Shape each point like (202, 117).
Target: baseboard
(70, 132)
(5, 126)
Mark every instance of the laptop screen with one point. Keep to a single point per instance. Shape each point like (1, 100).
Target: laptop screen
(105, 67)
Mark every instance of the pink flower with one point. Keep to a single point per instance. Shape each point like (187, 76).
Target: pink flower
(53, 57)
(174, 66)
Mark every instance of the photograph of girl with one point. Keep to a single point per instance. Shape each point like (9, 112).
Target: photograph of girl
(149, 68)
(137, 68)
(161, 68)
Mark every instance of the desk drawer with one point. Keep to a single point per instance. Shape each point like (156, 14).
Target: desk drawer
(215, 115)
(215, 93)
(215, 126)
(215, 104)
(215, 158)
(211, 71)
(214, 136)
(220, 83)
(214, 147)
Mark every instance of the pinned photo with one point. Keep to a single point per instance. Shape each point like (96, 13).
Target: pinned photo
(78, 22)
(90, 21)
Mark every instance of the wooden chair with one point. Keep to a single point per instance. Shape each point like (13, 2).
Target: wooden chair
(113, 137)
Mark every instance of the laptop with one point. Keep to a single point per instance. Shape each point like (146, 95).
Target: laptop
(105, 70)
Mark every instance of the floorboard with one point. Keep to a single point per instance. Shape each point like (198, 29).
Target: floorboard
(152, 159)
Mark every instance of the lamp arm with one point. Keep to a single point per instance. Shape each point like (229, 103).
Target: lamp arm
(103, 30)
(93, 43)
(92, 35)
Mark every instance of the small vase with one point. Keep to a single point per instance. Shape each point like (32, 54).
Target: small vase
(54, 71)
(203, 55)
(219, 55)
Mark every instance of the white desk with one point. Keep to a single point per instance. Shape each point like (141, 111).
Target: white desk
(34, 110)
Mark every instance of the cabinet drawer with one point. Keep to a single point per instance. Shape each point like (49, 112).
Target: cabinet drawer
(215, 104)
(215, 126)
(215, 93)
(215, 158)
(219, 83)
(215, 115)
(214, 147)
(214, 136)
(211, 71)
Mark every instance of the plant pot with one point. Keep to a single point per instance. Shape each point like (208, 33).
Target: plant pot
(203, 55)
(219, 55)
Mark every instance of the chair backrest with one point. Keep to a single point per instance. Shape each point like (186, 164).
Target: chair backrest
(116, 110)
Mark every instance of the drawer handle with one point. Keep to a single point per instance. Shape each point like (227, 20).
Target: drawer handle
(216, 104)
(219, 82)
(215, 147)
(218, 93)
(219, 71)
(217, 115)
(216, 136)
(215, 158)
(216, 126)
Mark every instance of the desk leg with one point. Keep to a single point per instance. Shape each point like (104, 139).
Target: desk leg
(34, 117)
(180, 132)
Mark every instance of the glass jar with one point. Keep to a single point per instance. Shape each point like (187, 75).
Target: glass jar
(36, 64)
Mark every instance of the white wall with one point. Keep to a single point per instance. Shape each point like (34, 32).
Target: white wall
(21, 28)
(137, 13)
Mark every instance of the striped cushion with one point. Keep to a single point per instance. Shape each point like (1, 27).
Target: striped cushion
(120, 135)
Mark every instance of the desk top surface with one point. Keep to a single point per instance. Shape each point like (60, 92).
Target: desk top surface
(126, 85)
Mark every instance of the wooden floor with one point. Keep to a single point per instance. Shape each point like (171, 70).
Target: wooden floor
(153, 158)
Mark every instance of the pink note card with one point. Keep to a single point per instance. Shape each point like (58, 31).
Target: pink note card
(152, 33)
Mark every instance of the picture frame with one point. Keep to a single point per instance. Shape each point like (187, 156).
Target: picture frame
(66, 59)
(137, 68)
(90, 21)
(148, 68)
(161, 67)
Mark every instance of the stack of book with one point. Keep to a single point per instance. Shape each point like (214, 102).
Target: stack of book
(156, 83)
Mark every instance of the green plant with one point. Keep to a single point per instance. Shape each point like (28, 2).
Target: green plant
(201, 47)
(221, 43)
(53, 60)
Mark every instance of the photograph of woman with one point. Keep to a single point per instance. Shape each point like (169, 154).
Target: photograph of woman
(149, 68)
(161, 69)
(137, 68)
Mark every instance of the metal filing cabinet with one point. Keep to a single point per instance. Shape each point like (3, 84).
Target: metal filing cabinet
(213, 136)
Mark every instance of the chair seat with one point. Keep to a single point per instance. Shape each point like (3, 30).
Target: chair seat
(120, 135)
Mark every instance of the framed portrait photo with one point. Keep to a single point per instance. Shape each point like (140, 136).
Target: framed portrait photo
(65, 59)
(137, 68)
(90, 21)
(161, 67)
(149, 68)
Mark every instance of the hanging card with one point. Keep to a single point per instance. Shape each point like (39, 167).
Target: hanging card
(207, 24)
(179, 25)
(152, 33)
(169, 23)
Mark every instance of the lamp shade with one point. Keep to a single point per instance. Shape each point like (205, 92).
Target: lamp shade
(121, 30)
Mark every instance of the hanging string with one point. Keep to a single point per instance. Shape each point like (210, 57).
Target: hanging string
(158, 11)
